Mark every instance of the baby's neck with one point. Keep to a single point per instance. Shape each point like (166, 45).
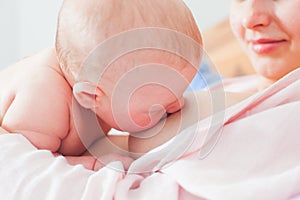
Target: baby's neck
(52, 62)
(104, 126)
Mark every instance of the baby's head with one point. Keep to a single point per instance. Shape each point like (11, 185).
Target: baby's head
(136, 88)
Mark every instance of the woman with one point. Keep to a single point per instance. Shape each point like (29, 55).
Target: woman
(269, 32)
(257, 155)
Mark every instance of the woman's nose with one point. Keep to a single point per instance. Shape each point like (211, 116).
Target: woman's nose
(256, 14)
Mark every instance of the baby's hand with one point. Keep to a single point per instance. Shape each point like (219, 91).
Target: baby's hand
(106, 159)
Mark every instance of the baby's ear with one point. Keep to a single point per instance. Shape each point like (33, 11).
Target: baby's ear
(86, 93)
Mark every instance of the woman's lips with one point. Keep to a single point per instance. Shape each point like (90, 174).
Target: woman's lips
(265, 46)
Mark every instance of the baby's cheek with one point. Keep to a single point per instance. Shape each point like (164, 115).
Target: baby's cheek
(142, 121)
(145, 121)
(176, 106)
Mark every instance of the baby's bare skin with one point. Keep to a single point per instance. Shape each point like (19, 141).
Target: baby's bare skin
(36, 101)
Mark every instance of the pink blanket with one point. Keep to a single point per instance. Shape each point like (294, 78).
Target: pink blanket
(257, 156)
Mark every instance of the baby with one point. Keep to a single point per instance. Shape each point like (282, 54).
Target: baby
(113, 62)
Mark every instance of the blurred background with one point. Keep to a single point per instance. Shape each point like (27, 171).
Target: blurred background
(28, 26)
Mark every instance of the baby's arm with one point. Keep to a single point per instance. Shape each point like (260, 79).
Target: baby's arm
(41, 118)
(103, 151)
(110, 148)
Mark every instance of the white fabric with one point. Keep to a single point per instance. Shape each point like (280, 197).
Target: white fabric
(28, 173)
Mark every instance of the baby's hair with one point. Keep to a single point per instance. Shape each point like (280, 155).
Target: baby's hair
(82, 25)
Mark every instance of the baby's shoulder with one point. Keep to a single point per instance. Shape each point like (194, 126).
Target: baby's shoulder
(38, 76)
(39, 95)
(35, 84)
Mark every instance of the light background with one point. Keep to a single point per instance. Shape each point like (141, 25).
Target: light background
(28, 26)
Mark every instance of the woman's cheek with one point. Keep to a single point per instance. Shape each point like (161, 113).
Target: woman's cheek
(236, 26)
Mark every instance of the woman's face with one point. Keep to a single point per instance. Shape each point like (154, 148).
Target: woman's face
(269, 31)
